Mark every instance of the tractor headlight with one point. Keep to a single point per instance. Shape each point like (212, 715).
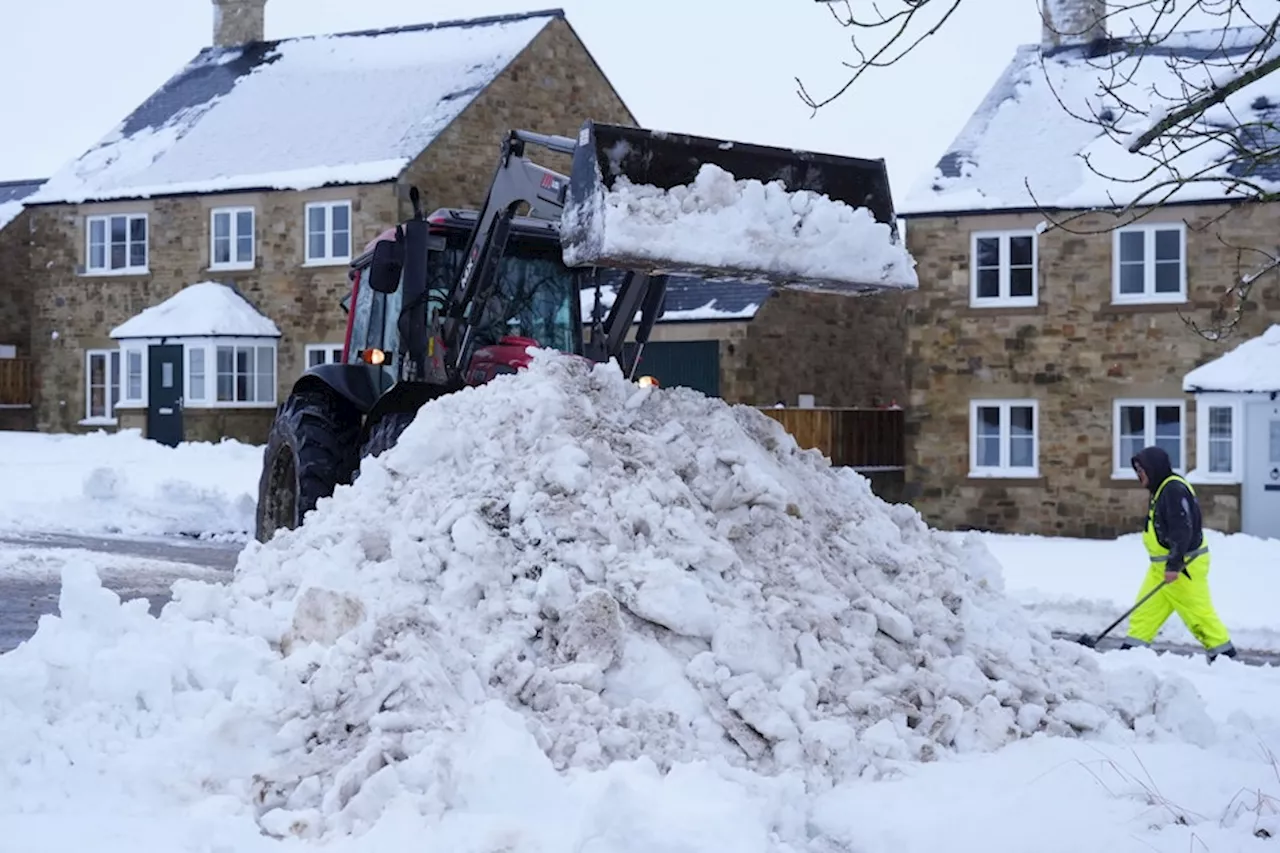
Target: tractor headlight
(648, 382)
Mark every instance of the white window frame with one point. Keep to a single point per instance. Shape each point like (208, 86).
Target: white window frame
(1201, 472)
(1121, 469)
(189, 397)
(106, 268)
(332, 354)
(1004, 300)
(1148, 296)
(1004, 470)
(212, 373)
(113, 376)
(233, 217)
(128, 352)
(328, 258)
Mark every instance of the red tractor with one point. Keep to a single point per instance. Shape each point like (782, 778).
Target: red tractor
(457, 297)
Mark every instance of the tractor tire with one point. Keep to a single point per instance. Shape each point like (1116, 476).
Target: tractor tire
(385, 433)
(310, 450)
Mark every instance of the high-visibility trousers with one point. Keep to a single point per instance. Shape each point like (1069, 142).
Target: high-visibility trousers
(1189, 598)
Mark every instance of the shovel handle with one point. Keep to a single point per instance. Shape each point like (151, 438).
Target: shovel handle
(1126, 614)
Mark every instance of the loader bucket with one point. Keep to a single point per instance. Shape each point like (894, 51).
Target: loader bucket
(658, 202)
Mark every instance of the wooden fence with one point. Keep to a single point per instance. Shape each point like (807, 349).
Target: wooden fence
(15, 382)
(866, 439)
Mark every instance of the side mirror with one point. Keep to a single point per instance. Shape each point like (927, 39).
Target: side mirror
(386, 266)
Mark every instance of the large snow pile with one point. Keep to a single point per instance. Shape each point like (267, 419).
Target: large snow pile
(657, 594)
(122, 483)
(738, 227)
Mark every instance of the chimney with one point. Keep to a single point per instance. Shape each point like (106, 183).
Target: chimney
(237, 22)
(1066, 23)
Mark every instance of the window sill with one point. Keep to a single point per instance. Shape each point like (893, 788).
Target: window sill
(995, 309)
(1140, 306)
(231, 268)
(220, 404)
(125, 273)
(98, 422)
(1201, 478)
(327, 262)
(987, 304)
(1018, 478)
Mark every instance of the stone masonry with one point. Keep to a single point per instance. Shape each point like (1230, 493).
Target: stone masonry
(15, 284)
(1075, 353)
(237, 22)
(552, 86)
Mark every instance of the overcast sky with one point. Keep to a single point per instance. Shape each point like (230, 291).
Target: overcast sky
(721, 68)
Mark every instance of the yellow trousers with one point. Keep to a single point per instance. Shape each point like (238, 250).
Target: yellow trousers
(1188, 597)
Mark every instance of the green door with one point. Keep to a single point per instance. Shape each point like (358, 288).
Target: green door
(692, 364)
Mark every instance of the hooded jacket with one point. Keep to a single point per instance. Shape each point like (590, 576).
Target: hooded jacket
(1177, 512)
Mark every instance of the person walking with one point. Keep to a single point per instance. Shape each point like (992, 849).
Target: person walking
(1179, 555)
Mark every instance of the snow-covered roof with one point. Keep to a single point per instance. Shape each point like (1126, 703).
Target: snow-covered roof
(1253, 366)
(1022, 149)
(12, 196)
(693, 299)
(349, 108)
(201, 310)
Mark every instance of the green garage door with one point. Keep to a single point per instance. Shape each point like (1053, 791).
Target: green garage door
(692, 364)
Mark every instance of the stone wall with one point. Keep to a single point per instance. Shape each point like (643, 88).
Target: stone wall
(82, 309)
(846, 351)
(16, 284)
(1075, 353)
(247, 425)
(551, 87)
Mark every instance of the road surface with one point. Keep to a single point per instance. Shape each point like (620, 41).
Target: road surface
(24, 599)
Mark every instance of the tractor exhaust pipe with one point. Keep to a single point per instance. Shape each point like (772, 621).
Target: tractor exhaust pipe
(662, 203)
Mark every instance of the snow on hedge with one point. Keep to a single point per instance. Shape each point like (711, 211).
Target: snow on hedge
(742, 228)
(599, 617)
(121, 483)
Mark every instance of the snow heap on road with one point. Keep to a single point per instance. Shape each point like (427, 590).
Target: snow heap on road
(738, 227)
(701, 627)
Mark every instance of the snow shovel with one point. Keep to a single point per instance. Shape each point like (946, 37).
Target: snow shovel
(1092, 642)
(732, 234)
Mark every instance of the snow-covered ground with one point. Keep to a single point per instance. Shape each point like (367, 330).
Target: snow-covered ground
(104, 483)
(618, 619)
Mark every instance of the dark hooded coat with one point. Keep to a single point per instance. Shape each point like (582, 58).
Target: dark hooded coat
(1177, 512)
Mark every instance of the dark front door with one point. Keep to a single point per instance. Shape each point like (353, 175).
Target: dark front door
(164, 393)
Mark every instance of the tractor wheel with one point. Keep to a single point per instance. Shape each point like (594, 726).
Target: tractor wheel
(311, 449)
(386, 432)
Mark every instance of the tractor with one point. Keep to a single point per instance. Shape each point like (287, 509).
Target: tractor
(457, 297)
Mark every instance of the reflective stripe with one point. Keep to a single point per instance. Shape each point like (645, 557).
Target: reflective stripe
(1190, 555)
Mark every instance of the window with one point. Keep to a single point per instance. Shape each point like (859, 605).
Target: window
(1003, 440)
(246, 373)
(133, 375)
(328, 232)
(102, 384)
(1149, 264)
(1003, 269)
(117, 244)
(323, 354)
(1218, 440)
(196, 387)
(1142, 423)
(231, 238)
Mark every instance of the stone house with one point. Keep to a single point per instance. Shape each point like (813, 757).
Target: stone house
(1048, 339)
(15, 305)
(267, 166)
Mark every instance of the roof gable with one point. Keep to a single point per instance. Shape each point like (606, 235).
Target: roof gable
(1252, 367)
(1023, 150)
(201, 310)
(349, 108)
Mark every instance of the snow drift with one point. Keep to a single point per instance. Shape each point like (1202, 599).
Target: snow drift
(652, 592)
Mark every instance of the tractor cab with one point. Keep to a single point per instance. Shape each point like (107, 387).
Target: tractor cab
(535, 302)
